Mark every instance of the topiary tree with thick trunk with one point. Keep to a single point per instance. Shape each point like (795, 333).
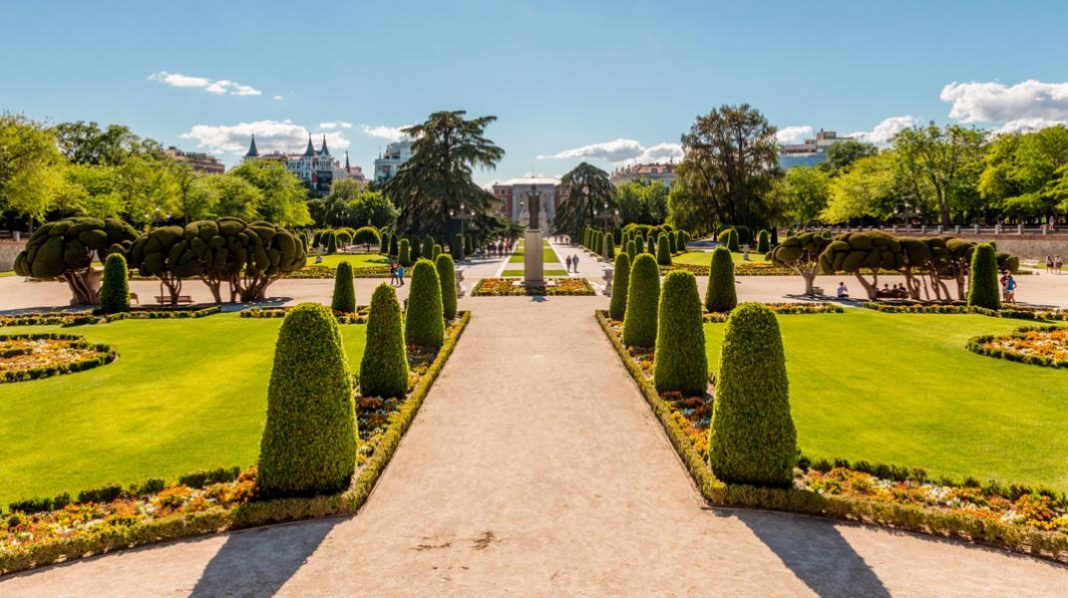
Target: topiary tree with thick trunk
(115, 291)
(679, 362)
(618, 307)
(425, 319)
(344, 298)
(643, 298)
(984, 289)
(367, 236)
(663, 250)
(800, 253)
(65, 249)
(384, 367)
(860, 253)
(164, 252)
(752, 439)
(447, 278)
(309, 442)
(721, 296)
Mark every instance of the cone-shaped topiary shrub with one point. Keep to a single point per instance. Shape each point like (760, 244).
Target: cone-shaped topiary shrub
(456, 248)
(425, 321)
(650, 245)
(447, 278)
(309, 442)
(643, 298)
(404, 253)
(618, 307)
(763, 245)
(721, 295)
(469, 245)
(632, 250)
(435, 252)
(609, 247)
(331, 243)
(427, 249)
(680, 363)
(383, 243)
(663, 250)
(983, 288)
(394, 245)
(384, 367)
(344, 298)
(752, 439)
(414, 249)
(729, 238)
(115, 290)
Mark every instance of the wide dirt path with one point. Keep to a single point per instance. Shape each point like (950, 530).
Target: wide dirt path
(536, 468)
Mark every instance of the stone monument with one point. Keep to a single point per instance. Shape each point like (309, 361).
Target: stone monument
(532, 253)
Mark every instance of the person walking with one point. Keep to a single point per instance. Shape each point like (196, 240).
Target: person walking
(1049, 264)
(1058, 262)
(392, 273)
(1010, 289)
(568, 262)
(400, 275)
(574, 262)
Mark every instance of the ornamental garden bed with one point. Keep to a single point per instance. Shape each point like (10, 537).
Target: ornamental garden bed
(39, 531)
(506, 287)
(1021, 517)
(317, 272)
(34, 356)
(357, 317)
(1040, 345)
(1018, 312)
(785, 308)
(740, 269)
(80, 318)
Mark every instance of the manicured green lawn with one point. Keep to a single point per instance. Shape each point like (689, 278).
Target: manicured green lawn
(8, 273)
(183, 395)
(902, 389)
(356, 260)
(704, 258)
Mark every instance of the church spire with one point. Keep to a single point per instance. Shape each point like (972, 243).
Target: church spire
(347, 167)
(252, 152)
(324, 150)
(310, 151)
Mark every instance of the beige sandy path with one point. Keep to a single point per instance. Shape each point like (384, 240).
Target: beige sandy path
(536, 468)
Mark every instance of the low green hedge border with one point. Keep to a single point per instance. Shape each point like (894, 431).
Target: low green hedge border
(105, 355)
(253, 514)
(1050, 545)
(977, 345)
(357, 317)
(82, 318)
(956, 308)
(784, 309)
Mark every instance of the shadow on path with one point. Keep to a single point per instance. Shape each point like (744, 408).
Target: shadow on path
(815, 552)
(258, 562)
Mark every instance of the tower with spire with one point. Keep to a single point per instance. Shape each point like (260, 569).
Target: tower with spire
(252, 152)
(316, 167)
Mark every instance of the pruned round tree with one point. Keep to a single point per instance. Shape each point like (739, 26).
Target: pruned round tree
(115, 291)
(366, 236)
(618, 307)
(721, 296)
(679, 362)
(65, 249)
(752, 439)
(309, 441)
(344, 297)
(164, 253)
(984, 288)
(425, 320)
(384, 367)
(800, 253)
(869, 252)
(643, 299)
(447, 278)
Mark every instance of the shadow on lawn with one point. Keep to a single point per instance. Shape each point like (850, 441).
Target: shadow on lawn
(815, 552)
(258, 562)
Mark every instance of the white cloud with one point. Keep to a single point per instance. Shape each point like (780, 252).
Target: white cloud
(384, 132)
(885, 130)
(219, 87)
(278, 98)
(621, 151)
(335, 124)
(1028, 125)
(996, 102)
(794, 134)
(271, 135)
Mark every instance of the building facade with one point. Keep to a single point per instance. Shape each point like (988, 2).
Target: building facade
(809, 153)
(389, 163)
(316, 167)
(665, 173)
(199, 162)
(512, 195)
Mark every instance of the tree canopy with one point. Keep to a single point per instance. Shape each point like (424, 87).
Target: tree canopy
(588, 194)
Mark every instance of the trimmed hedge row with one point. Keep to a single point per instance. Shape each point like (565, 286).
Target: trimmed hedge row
(978, 345)
(784, 309)
(357, 317)
(104, 355)
(942, 308)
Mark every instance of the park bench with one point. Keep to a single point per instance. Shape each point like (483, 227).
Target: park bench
(134, 299)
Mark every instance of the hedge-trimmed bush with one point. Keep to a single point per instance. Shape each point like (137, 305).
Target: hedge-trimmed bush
(383, 243)
(721, 295)
(394, 245)
(309, 442)
(609, 252)
(632, 250)
(435, 252)
(343, 238)
(650, 245)
(426, 250)
(643, 298)
(663, 250)
(729, 238)
(425, 321)
(331, 243)
(679, 362)
(983, 288)
(404, 254)
(344, 299)
(752, 439)
(384, 367)
(447, 278)
(618, 307)
(456, 248)
(763, 244)
(115, 290)
(415, 248)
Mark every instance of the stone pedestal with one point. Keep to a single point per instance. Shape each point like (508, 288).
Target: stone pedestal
(533, 268)
(608, 273)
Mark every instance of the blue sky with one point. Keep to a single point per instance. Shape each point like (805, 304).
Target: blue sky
(610, 82)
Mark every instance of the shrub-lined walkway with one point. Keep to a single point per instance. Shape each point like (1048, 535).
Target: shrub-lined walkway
(535, 466)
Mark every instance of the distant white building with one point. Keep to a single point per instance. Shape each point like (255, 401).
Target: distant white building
(655, 171)
(317, 168)
(809, 153)
(389, 163)
(512, 194)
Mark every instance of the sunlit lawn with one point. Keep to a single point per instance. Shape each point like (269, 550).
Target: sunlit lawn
(704, 258)
(356, 260)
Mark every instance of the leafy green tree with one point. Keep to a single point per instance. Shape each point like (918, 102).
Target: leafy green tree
(86, 143)
(309, 442)
(721, 296)
(803, 193)
(148, 189)
(942, 164)
(29, 167)
(644, 202)
(871, 187)
(89, 190)
(384, 367)
(115, 291)
(425, 319)
(366, 236)
(589, 195)
(843, 154)
(679, 362)
(344, 297)
(643, 297)
(283, 193)
(235, 196)
(438, 177)
(1023, 172)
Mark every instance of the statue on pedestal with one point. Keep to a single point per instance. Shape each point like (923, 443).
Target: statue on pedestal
(533, 206)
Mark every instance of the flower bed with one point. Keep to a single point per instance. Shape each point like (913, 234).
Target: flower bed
(743, 269)
(81, 318)
(315, 272)
(785, 309)
(563, 287)
(1037, 524)
(1017, 311)
(357, 317)
(203, 502)
(33, 356)
(1042, 345)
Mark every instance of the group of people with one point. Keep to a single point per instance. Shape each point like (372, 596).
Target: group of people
(499, 247)
(1054, 264)
(1008, 287)
(898, 291)
(572, 263)
(396, 274)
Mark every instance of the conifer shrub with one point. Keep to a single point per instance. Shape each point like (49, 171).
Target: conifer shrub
(115, 289)
(309, 442)
(415, 249)
(618, 307)
(983, 288)
(331, 243)
(435, 252)
(404, 253)
(427, 249)
(632, 249)
(650, 245)
(425, 320)
(752, 439)
(679, 362)
(456, 248)
(663, 250)
(469, 245)
(447, 278)
(729, 238)
(384, 367)
(609, 252)
(394, 245)
(721, 296)
(344, 298)
(383, 243)
(763, 245)
(643, 298)
(304, 241)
